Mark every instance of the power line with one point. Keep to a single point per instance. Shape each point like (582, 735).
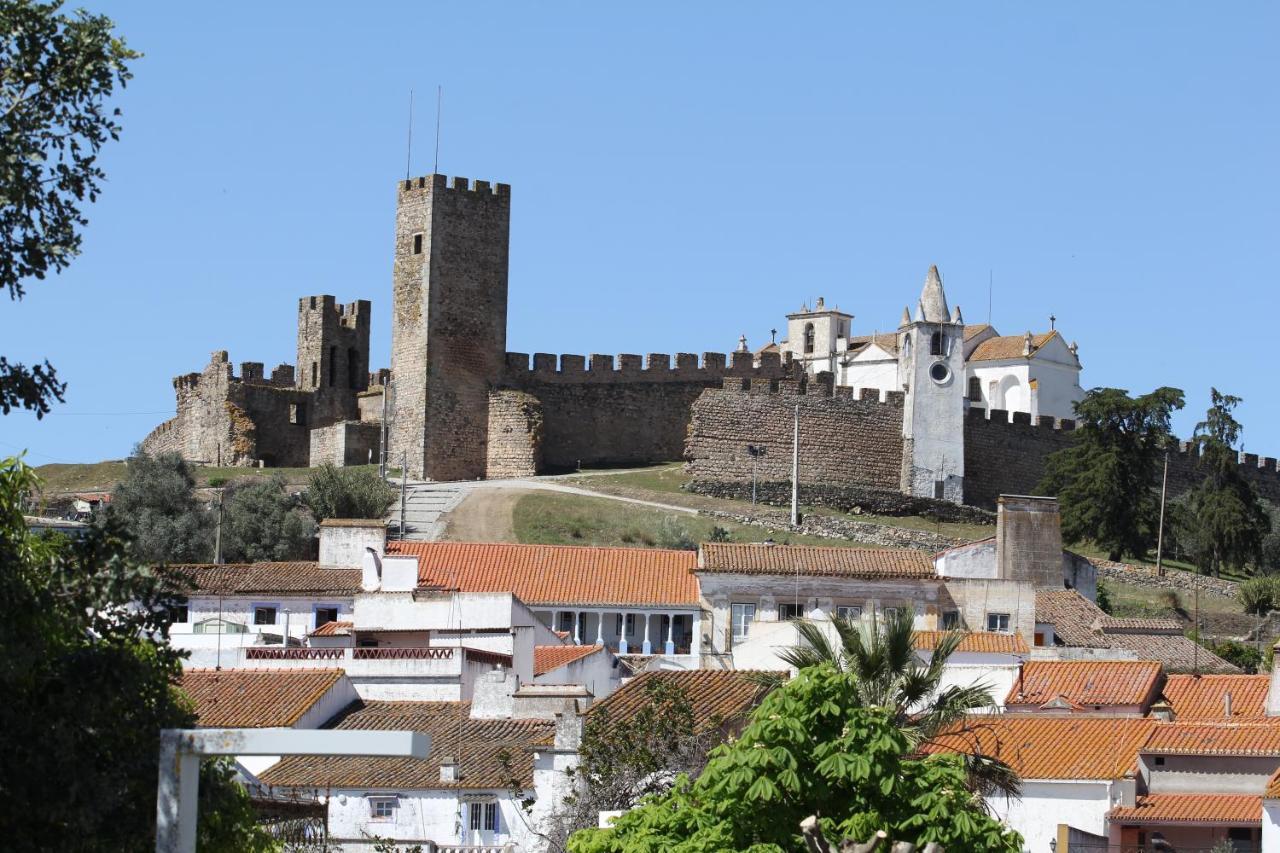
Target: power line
(105, 414)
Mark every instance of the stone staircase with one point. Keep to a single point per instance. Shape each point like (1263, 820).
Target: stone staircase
(424, 507)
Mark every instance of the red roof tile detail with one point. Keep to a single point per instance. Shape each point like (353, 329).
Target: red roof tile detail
(1273, 787)
(1214, 739)
(975, 641)
(1234, 809)
(558, 574)
(1203, 697)
(255, 698)
(1008, 346)
(758, 559)
(717, 696)
(547, 658)
(1086, 683)
(334, 629)
(1042, 747)
(294, 578)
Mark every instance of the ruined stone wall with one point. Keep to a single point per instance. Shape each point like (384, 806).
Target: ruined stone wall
(637, 411)
(449, 321)
(515, 435)
(844, 441)
(345, 443)
(333, 356)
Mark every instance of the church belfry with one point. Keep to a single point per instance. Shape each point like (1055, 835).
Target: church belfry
(931, 370)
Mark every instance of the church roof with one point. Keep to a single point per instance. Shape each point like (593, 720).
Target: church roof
(933, 301)
(973, 330)
(1008, 346)
(886, 341)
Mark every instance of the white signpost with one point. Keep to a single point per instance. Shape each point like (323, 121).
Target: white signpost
(182, 749)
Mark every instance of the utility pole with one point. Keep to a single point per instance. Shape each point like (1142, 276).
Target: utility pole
(382, 443)
(1164, 491)
(795, 470)
(217, 534)
(755, 451)
(404, 479)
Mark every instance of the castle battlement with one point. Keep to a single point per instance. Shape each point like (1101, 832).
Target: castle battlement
(352, 315)
(440, 183)
(654, 367)
(1004, 416)
(822, 387)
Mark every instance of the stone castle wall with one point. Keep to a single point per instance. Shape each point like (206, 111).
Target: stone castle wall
(515, 435)
(345, 443)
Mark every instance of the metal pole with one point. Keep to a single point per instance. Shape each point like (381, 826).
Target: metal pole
(795, 470)
(1164, 491)
(217, 535)
(404, 479)
(285, 640)
(754, 457)
(382, 444)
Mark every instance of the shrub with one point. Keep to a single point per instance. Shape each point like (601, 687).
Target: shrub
(1258, 595)
(347, 493)
(672, 533)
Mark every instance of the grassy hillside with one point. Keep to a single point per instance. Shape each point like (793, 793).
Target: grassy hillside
(61, 479)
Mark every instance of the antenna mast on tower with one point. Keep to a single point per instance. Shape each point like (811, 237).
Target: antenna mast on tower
(435, 164)
(408, 157)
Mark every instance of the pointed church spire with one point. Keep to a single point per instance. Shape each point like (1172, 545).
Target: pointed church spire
(906, 317)
(933, 302)
(956, 316)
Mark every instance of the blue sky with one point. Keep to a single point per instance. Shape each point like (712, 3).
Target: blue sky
(682, 174)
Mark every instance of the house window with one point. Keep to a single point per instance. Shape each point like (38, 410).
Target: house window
(888, 614)
(849, 612)
(325, 615)
(789, 611)
(1159, 761)
(483, 816)
(626, 624)
(566, 621)
(179, 613)
(950, 620)
(742, 617)
(998, 622)
(382, 808)
(264, 615)
(298, 413)
(808, 338)
(417, 244)
(935, 344)
(975, 389)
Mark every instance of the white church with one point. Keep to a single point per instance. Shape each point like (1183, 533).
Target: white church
(1034, 373)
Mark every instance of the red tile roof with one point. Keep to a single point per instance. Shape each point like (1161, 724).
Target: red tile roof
(489, 753)
(975, 641)
(558, 574)
(334, 629)
(1086, 683)
(255, 698)
(1072, 615)
(1176, 652)
(547, 658)
(1234, 809)
(292, 578)
(717, 696)
(1203, 697)
(760, 559)
(1273, 787)
(1110, 624)
(1214, 739)
(1043, 747)
(1008, 346)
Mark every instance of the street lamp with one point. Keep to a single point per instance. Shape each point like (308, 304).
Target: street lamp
(755, 451)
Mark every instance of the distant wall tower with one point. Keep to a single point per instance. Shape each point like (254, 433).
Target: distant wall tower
(449, 324)
(932, 372)
(333, 356)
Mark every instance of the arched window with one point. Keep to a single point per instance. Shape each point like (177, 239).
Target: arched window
(808, 337)
(935, 344)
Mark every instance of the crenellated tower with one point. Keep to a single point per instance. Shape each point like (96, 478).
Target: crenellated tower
(931, 371)
(449, 323)
(333, 356)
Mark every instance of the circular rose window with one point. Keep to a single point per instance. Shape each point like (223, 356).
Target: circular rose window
(939, 372)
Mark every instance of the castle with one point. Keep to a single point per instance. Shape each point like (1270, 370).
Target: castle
(459, 406)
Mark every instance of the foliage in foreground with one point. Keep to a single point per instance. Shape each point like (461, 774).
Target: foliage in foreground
(1103, 479)
(156, 505)
(334, 492)
(88, 684)
(57, 73)
(811, 748)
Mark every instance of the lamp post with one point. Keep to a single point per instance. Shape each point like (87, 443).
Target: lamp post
(285, 640)
(755, 451)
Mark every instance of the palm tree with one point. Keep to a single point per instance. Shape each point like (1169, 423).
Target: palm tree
(890, 675)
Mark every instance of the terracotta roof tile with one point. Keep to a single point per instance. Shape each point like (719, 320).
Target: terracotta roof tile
(1215, 739)
(334, 629)
(294, 578)
(255, 698)
(1234, 809)
(1008, 346)
(1072, 616)
(887, 342)
(478, 746)
(1042, 747)
(547, 658)
(558, 574)
(972, 330)
(1128, 624)
(1203, 697)
(758, 559)
(717, 696)
(1273, 787)
(1176, 652)
(1086, 682)
(975, 641)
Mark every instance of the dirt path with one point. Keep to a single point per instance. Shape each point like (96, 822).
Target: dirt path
(484, 516)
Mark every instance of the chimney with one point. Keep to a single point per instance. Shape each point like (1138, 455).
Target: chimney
(1029, 540)
(1226, 704)
(343, 540)
(1163, 711)
(448, 769)
(371, 571)
(568, 730)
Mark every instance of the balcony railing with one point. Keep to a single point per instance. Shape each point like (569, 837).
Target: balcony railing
(344, 653)
(436, 653)
(269, 653)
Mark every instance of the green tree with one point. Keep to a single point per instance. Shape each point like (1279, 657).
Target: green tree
(881, 655)
(261, 520)
(88, 678)
(1225, 520)
(1103, 479)
(334, 492)
(1270, 562)
(1258, 595)
(811, 748)
(57, 73)
(156, 503)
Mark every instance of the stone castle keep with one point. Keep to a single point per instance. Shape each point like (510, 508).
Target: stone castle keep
(462, 407)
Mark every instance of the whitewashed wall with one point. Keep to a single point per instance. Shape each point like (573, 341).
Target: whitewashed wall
(1045, 804)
